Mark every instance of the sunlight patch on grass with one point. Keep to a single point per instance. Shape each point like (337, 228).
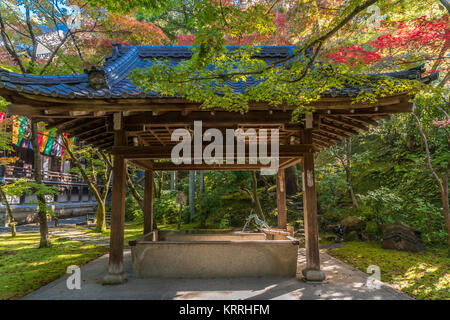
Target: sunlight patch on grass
(25, 268)
(421, 275)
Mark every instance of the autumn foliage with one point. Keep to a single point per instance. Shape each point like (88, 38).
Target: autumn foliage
(401, 40)
(127, 30)
(279, 37)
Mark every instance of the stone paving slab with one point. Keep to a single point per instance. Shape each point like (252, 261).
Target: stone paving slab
(76, 234)
(343, 282)
(35, 226)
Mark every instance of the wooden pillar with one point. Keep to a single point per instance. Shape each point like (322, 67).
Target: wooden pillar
(115, 270)
(281, 199)
(148, 202)
(173, 180)
(312, 271)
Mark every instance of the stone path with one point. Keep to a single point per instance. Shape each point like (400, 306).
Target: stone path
(343, 282)
(64, 231)
(78, 234)
(35, 226)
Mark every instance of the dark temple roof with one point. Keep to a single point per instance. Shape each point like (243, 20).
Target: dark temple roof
(112, 77)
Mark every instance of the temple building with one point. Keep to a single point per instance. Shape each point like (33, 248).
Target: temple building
(74, 197)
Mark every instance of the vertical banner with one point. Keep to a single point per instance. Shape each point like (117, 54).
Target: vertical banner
(50, 141)
(40, 138)
(56, 146)
(71, 143)
(22, 130)
(43, 141)
(15, 129)
(66, 134)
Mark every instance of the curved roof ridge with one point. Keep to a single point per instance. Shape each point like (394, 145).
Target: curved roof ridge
(26, 78)
(118, 69)
(157, 51)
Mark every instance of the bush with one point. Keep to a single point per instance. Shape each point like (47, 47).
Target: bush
(165, 209)
(133, 211)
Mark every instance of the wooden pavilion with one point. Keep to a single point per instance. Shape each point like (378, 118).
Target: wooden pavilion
(105, 109)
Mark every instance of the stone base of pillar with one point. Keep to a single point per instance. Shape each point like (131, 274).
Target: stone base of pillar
(113, 278)
(312, 275)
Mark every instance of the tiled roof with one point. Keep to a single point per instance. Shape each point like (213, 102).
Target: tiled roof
(127, 58)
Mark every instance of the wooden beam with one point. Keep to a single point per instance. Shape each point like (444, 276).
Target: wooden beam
(108, 140)
(143, 164)
(104, 145)
(169, 166)
(65, 123)
(364, 120)
(148, 202)
(365, 110)
(348, 121)
(281, 199)
(220, 118)
(337, 128)
(323, 136)
(146, 152)
(24, 110)
(96, 136)
(81, 127)
(130, 104)
(289, 163)
(328, 132)
(322, 143)
(89, 132)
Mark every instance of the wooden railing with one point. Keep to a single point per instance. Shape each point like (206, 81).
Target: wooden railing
(19, 172)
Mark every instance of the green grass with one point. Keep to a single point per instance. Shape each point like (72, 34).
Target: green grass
(25, 268)
(132, 231)
(423, 275)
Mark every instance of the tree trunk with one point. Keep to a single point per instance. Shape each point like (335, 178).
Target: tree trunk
(191, 195)
(134, 192)
(42, 211)
(173, 180)
(100, 217)
(350, 188)
(12, 222)
(255, 196)
(348, 173)
(443, 185)
(445, 209)
(55, 219)
(179, 216)
(446, 4)
(202, 181)
(160, 181)
(345, 162)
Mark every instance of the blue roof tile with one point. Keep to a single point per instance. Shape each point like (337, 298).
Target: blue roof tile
(127, 58)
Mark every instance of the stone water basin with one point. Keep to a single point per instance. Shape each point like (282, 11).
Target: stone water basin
(172, 254)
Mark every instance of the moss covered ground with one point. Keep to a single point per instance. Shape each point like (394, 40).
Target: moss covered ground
(25, 268)
(424, 275)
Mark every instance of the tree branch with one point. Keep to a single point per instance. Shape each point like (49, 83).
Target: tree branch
(427, 151)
